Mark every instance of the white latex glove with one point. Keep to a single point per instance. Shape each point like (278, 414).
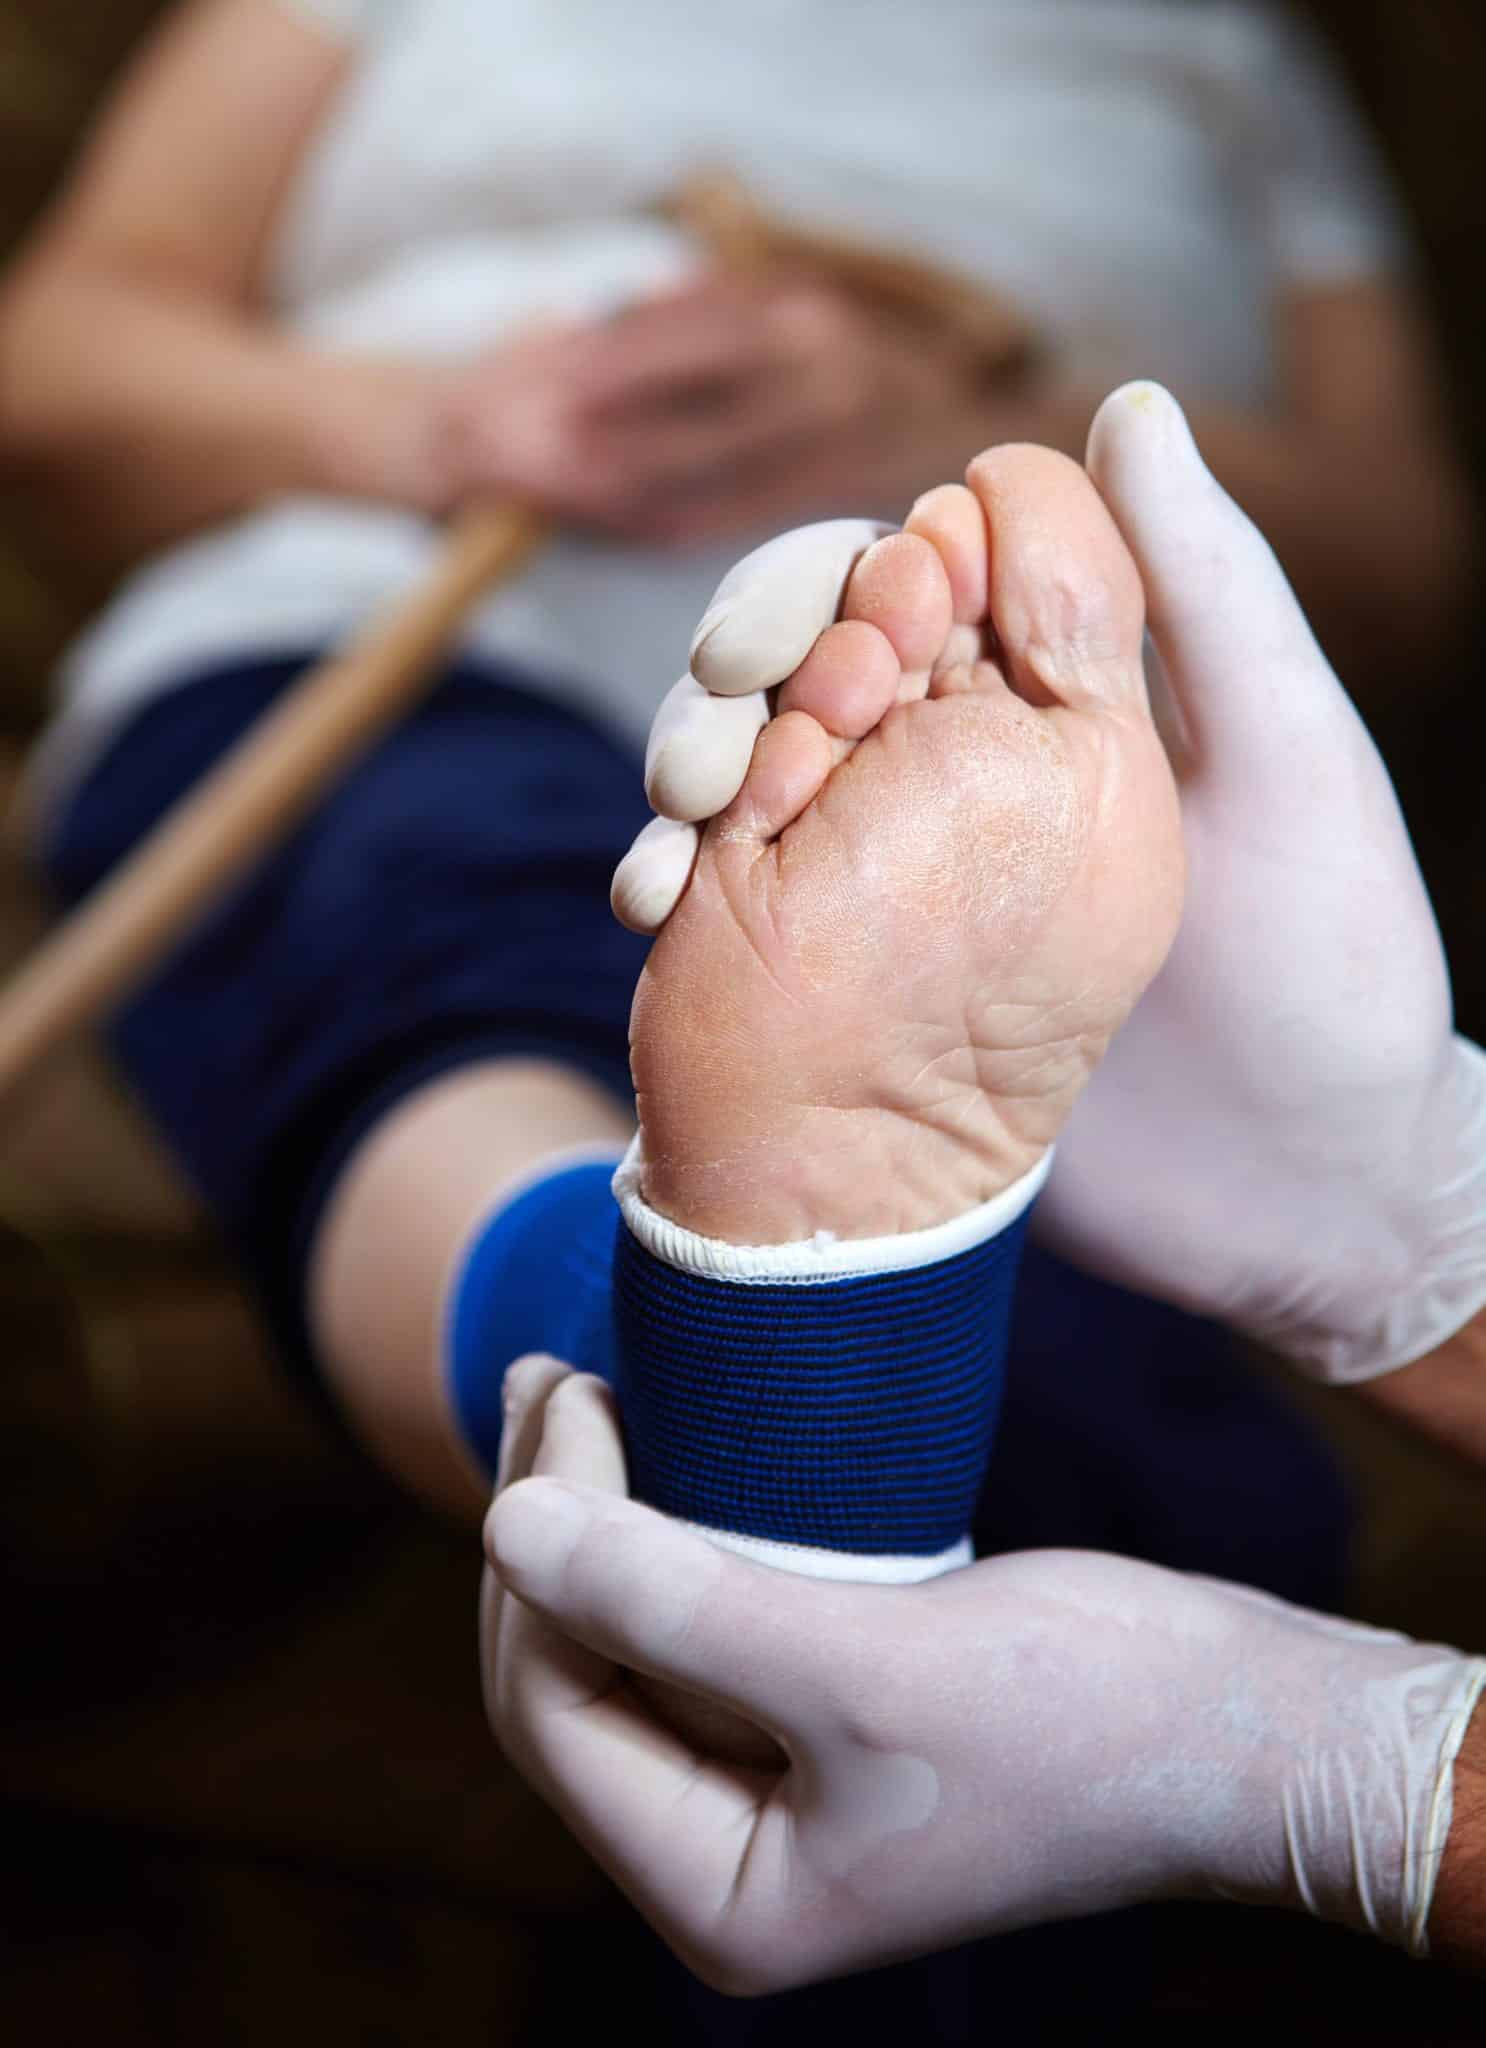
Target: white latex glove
(702, 737)
(1031, 1739)
(1286, 1133)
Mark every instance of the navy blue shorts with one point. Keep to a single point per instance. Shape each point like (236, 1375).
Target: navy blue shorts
(449, 901)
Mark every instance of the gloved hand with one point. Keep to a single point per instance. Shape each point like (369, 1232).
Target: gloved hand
(1034, 1738)
(1286, 1133)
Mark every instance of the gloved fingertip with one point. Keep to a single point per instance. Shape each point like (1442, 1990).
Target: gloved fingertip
(770, 609)
(746, 648)
(698, 760)
(651, 879)
(707, 625)
(531, 1532)
(1141, 429)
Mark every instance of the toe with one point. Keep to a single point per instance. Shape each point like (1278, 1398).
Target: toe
(1063, 592)
(901, 587)
(951, 520)
(790, 764)
(847, 682)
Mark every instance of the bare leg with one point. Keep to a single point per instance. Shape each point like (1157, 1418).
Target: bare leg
(393, 1231)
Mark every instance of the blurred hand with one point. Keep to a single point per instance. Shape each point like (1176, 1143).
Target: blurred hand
(1034, 1738)
(703, 412)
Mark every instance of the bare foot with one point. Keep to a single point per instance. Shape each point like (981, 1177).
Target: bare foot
(953, 868)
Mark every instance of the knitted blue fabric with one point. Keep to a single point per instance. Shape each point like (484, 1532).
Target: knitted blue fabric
(848, 1415)
(852, 1415)
(538, 1277)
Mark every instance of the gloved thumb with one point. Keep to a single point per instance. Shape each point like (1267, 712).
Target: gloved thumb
(1250, 684)
(646, 1593)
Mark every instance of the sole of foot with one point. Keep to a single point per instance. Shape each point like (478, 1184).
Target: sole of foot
(953, 867)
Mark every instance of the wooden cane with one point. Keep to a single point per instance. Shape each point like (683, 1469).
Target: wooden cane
(253, 798)
(272, 777)
(990, 329)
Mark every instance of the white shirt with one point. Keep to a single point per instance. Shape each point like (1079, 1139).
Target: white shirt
(1144, 176)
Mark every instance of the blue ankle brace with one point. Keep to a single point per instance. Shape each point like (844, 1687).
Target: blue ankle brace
(538, 1276)
(805, 1407)
(850, 1417)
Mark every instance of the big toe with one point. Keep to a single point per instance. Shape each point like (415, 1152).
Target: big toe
(1062, 591)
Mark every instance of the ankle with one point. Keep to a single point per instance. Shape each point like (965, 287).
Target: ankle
(839, 1172)
(823, 1406)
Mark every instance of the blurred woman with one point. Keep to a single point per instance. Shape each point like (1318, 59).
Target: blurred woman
(329, 268)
